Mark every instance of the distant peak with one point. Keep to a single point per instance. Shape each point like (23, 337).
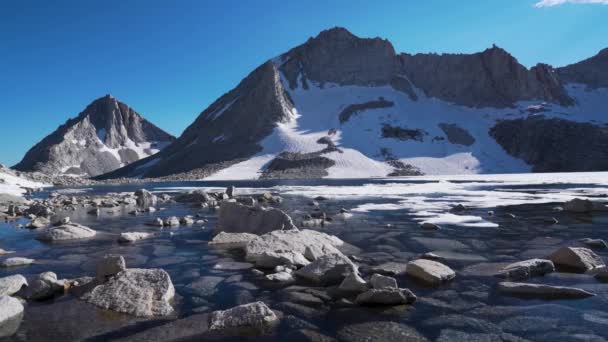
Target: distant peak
(335, 33)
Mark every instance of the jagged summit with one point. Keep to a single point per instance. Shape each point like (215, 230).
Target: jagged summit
(593, 72)
(107, 135)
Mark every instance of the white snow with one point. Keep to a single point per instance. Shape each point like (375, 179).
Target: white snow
(14, 185)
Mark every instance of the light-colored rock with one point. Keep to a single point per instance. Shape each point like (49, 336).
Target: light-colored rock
(4, 252)
(138, 292)
(294, 241)
(578, 205)
(288, 258)
(71, 231)
(237, 218)
(380, 282)
(576, 258)
(145, 198)
(386, 296)
(134, 236)
(186, 221)
(171, 221)
(528, 268)
(109, 265)
(232, 240)
(11, 312)
(157, 222)
(45, 286)
(15, 262)
(429, 271)
(253, 315)
(12, 284)
(281, 277)
(353, 283)
(542, 291)
(328, 269)
(38, 222)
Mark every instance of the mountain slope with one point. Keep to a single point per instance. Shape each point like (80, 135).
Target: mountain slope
(107, 135)
(344, 107)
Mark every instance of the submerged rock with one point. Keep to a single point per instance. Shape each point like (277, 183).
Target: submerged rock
(70, 231)
(134, 236)
(527, 268)
(542, 291)
(12, 284)
(328, 269)
(237, 218)
(15, 262)
(576, 258)
(578, 205)
(386, 296)
(138, 292)
(379, 331)
(253, 315)
(429, 271)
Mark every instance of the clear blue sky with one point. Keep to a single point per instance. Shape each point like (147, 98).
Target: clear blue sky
(170, 59)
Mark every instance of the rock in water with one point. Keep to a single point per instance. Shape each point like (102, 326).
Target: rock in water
(429, 271)
(542, 291)
(527, 268)
(45, 286)
(134, 236)
(578, 205)
(38, 222)
(328, 269)
(380, 331)
(11, 312)
(70, 231)
(145, 199)
(381, 282)
(354, 283)
(386, 296)
(237, 218)
(105, 136)
(109, 266)
(15, 262)
(138, 292)
(232, 240)
(253, 315)
(576, 258)
(12, 284)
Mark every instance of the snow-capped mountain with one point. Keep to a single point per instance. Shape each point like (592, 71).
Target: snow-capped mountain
(107, 135)
(342, 106)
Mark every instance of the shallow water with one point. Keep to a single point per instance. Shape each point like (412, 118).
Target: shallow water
(468, 308)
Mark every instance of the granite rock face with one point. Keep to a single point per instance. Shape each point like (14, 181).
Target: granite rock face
(554, 145)
(592, 72)
(107, 135)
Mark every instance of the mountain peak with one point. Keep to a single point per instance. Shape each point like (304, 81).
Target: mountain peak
(335, 33)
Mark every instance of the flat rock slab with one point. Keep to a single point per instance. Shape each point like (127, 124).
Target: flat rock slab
(429, 271)
(70, 231)
(134, 236)
(253, 315)
(542, 291)
(12, 284)
(232, 240)
(138, 292)
(576, 258)
(15, 262)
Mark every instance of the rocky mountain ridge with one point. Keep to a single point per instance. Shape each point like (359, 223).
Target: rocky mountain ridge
(107, 135)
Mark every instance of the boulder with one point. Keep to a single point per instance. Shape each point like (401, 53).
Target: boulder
(145, 198)
(542, 291)
(138, 292)
(38, 222)
(157, 222)
(328, 269)
(390, 268)
(237, 218)
(429, 271)
(386, 296)
(171, 221)
(576, 258)
(194, 196)
(11, 312)
(291, 241)
(528, 268)
(71, 231)
(186, 221)
(287, 258)
(232, 240)
(380, 282)
(281, 277)
(45, 286)
(15, 262)
(353, 283)
(253, 315)
(12, 284)
(109, 266)
(134, 236)
(578, 205)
